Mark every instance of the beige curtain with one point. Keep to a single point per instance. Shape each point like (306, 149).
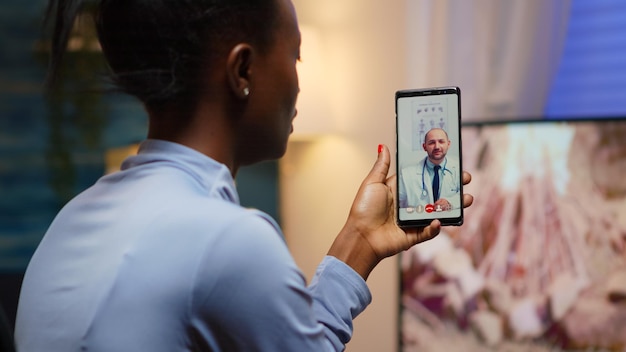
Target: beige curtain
(502, 53)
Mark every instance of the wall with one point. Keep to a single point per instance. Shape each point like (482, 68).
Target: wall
(364, 49)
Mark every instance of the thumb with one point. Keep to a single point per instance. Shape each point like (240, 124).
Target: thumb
(379, 171)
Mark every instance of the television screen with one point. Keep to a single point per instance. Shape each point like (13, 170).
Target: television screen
(540, 263)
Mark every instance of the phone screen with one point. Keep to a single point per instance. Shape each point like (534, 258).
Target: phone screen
(428, 156)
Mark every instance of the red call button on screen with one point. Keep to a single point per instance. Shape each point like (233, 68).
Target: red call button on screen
(429, 208)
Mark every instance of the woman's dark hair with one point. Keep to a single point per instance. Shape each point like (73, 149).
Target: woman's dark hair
(157, 49)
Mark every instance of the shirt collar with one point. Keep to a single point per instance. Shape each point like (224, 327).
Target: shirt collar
(431, 166)
(211, 174)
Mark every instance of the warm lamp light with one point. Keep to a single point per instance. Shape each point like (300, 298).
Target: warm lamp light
(314, 118)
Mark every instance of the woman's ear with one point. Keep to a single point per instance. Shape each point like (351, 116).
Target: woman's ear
(239, 67)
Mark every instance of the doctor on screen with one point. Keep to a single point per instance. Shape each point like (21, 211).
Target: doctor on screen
(435, 179)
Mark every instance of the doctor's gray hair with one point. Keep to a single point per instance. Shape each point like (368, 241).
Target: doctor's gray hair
(434, 129)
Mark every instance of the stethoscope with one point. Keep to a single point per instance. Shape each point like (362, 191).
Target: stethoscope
(443, 173)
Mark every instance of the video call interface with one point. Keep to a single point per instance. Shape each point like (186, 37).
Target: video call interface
(416, 117)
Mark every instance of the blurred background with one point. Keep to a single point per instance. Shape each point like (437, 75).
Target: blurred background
(513, 60)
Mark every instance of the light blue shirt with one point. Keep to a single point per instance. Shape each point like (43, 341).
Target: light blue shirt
(161, 257)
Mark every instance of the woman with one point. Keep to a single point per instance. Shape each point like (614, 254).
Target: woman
(160, 256)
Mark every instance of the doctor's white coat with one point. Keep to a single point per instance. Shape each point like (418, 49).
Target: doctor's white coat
(411, 179)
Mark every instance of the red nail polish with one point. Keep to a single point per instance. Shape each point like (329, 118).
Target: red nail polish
(380, 148)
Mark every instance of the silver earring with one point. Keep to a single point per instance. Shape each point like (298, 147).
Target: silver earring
(246, 91)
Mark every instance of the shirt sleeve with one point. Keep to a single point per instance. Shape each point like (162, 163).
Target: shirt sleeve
(251, 296)
(339, 295)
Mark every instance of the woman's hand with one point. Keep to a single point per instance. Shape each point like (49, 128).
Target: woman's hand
(371, 232)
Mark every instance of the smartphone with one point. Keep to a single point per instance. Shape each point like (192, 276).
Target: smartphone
(428, 156)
